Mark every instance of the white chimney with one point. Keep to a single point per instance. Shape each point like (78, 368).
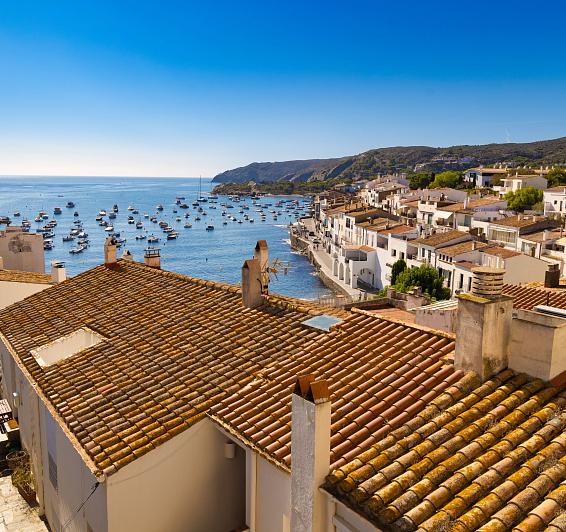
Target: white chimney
(152, 258)
(127, 255)
(483, 324)
(110, 251)
(58, 273)
(310, 453)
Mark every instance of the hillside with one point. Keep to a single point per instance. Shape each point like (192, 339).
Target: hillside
(397, 159)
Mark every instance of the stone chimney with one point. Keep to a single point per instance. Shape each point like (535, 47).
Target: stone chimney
(110, 251)
(310, 453)
(483, 324)
(552, 276)
(58, 273)
(152, 258)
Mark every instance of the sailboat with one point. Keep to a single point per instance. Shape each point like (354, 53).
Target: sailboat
(201, 198)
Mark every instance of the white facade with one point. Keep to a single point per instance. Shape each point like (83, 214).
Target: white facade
(517, 182)
(554, 200)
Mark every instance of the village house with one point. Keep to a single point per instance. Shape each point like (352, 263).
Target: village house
(428, 246)
(379, 194)
(508, 231)
(16, 285)
(126, 375)
(516, 182)
(554, 200)
(484, 177)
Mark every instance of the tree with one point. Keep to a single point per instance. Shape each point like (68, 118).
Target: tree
(420, 180)
(449, 179)
(556, 177)
(522, 199)
(398, 267)
(426, 277)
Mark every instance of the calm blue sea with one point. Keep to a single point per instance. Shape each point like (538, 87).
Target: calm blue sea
(216, 255)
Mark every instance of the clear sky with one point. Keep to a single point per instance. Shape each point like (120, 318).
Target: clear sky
(166, 88)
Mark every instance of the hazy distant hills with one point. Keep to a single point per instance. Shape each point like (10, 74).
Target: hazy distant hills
(396, 159)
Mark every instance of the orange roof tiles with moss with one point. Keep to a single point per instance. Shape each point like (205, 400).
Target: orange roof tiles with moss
(487, 457)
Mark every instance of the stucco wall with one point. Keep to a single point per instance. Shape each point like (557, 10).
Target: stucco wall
(11, 292)
(185, 484)
(273, 503)
(22, 251)
(523, 269)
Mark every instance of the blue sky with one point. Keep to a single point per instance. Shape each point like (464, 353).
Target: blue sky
(187, 88)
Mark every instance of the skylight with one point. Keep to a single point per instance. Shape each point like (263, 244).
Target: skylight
(322, 322)
(65, 347)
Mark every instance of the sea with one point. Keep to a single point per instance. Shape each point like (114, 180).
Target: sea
(216, 255)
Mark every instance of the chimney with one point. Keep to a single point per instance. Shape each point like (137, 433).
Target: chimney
(127, 255)
(110, 251)
(152, 258)
(310, 453)
(552, 276)
(261, 253)
(252, 294)
(58, 273)
(538, 342)
(483, 324)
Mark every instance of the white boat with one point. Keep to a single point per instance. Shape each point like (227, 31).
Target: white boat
(109, 229)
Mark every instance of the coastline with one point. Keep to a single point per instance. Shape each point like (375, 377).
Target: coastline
(304, 247)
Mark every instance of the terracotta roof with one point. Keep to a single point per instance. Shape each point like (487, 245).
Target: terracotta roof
(397, 229)
(441, 238)
(367, 249)
(542, 236)
(472, 204)
(527, 297)
(466, 265)
(17, 276)
(462, 247)
(516, 221)
(173, 346)
(380, 371)
(501, 252)
(488, 457)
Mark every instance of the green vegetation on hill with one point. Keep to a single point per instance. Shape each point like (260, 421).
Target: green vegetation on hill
(399, 159)
(277, 188)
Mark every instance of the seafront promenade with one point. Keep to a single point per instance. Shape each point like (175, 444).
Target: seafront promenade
(322, 261)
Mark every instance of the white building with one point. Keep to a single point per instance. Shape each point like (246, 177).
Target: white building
(518, 182)
(484, 177)
(22, 251)
(554, 200)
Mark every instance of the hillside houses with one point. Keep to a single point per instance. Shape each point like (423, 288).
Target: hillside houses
(452, 230)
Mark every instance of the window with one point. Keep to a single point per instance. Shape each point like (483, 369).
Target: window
(402, 255)
(393, 252)
(469, 284)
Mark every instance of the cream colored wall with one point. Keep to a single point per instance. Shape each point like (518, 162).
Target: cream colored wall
(11, 292)
(186, 484)
(523, 269)
(273, 498)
